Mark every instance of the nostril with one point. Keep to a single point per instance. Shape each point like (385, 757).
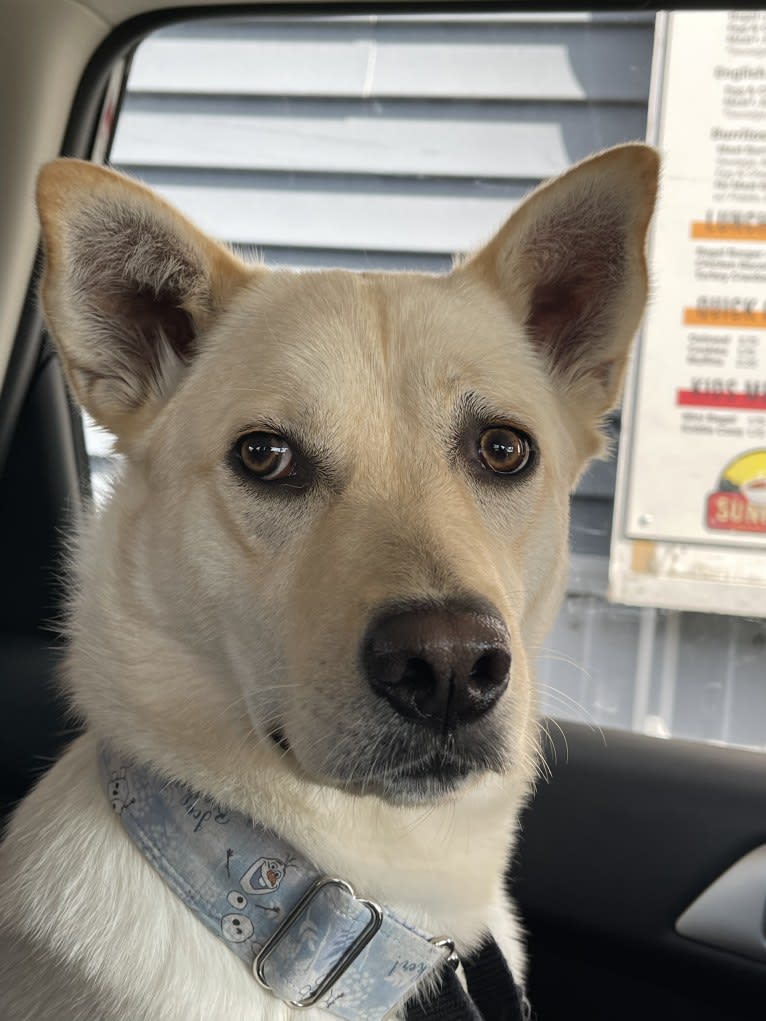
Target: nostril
(491, 668)
(482, 667)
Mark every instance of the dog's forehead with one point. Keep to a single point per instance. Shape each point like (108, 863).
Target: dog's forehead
(384, 340)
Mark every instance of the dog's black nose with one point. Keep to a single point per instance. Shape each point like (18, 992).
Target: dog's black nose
(438, 666)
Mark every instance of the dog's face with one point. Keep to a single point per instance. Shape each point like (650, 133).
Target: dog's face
(346, 494)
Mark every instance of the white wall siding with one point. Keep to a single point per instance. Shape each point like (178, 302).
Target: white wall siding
(448, 140)
(370, 137)
(493, 57)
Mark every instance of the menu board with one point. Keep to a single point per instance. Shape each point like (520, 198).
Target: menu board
(690, 513)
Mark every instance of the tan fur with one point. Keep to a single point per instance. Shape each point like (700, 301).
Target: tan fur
(207, 613)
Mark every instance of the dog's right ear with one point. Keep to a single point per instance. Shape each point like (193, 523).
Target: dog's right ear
(129, 288)
(570, 264)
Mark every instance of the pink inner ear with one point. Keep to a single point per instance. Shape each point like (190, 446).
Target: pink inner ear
(132, 280)
(565, 318)
(153, 316)
(554, 305)
(573, 301)
(140, 329)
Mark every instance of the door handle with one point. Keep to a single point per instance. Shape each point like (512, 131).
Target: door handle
(731, 913)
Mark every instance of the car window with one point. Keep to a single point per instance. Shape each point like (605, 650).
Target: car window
(391, 142)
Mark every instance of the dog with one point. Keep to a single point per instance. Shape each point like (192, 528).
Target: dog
(315, 597)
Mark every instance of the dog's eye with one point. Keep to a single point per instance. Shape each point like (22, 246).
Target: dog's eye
(266, 455)
(504, 451)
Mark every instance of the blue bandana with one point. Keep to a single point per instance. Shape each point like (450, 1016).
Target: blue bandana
(306, 937)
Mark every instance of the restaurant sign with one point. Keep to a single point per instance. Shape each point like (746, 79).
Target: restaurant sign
(690, 512)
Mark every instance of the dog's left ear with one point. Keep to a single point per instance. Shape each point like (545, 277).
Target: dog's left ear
(570, 263)
(130, 290)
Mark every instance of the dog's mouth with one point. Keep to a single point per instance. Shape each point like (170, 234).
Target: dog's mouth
(435, 776)
(428, 779)
(435, 773)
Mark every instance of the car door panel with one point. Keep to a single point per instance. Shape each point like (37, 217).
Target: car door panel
(627, 834)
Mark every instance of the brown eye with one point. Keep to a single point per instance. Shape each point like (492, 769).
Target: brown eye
(267, 456)
(504, 451)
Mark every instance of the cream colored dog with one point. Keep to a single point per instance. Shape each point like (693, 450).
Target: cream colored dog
(316, 594)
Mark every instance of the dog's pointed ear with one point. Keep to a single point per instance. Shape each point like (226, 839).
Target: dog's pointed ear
(129, 289)
(570, 263)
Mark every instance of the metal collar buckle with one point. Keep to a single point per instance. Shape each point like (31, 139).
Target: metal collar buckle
(449, 945)
(346, 959)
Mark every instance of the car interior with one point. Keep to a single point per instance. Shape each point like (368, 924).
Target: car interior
(628, 831)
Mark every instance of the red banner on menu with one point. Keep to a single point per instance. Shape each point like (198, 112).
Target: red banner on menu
(701, 399)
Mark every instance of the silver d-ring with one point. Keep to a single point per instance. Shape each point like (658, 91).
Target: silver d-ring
(444, 941)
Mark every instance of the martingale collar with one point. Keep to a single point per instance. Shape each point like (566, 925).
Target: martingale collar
(307, 937)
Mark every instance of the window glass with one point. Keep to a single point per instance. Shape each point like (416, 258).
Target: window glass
(393, 142)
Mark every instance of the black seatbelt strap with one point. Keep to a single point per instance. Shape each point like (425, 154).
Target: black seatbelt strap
(449, 1003)
(492, 993)
(492, 988)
